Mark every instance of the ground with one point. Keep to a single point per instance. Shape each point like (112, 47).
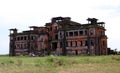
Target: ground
(60, 64)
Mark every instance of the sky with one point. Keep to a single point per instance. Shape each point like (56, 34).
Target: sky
(21, 14)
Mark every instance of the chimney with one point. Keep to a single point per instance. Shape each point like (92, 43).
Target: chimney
(92, 21)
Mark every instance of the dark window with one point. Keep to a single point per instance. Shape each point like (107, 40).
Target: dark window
(86, 43)
(25, 38)
(32, 37)
(75, 33)
(75, 43)
(60, 33)
(70, 33)
(66, 34)
(18, 38)
(92, 43)
(21, 38)
(56, 36)
(71, 43)
(81, 43)
(66, 44)
(81, 32)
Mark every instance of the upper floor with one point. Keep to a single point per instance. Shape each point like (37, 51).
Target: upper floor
(61, 27)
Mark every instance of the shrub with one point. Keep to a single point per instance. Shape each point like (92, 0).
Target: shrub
(11, 62)
(117, 58)
(50, 59)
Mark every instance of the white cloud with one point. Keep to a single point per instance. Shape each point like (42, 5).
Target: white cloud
(24, 13)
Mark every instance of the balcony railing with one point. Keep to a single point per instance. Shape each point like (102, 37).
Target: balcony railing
(21, 50)
(74, 48)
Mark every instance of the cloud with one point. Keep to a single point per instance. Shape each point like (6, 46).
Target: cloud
(24, 13)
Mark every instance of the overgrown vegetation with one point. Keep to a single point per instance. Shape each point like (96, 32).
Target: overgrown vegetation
(60, 64)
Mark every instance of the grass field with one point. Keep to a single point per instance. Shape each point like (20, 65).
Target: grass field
(60, 64)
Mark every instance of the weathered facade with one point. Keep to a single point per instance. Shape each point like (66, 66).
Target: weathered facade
(61, 36)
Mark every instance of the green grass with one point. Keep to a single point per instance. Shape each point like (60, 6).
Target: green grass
(60, 64)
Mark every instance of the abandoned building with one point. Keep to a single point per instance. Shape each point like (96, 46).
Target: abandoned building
(61, 36)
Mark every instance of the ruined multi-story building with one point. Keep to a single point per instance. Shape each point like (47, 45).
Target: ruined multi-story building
(61, 36)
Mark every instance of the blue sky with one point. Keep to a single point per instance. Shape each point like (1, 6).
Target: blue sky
(24, 13)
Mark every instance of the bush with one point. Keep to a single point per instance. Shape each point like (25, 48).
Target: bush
(117, 58)
(50, 59)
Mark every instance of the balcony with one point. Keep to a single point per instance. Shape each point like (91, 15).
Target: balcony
(21, 50)
(77, 48)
